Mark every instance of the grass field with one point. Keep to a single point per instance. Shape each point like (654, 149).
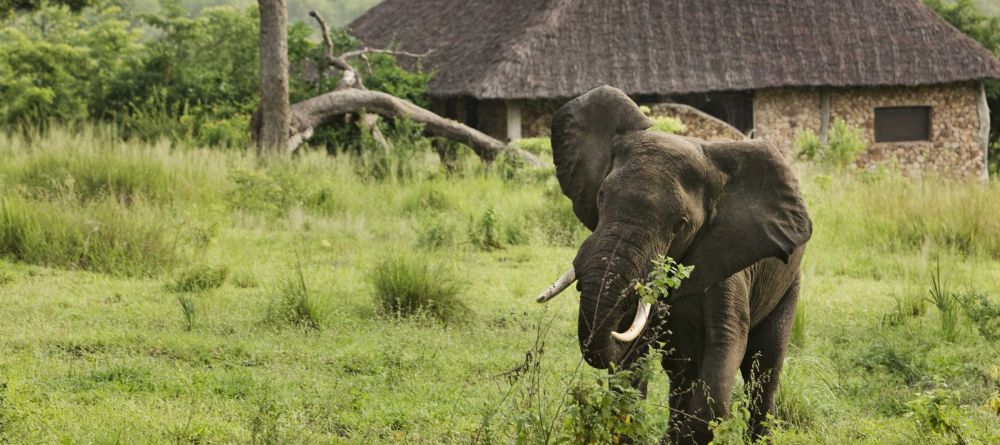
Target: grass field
(159, 295)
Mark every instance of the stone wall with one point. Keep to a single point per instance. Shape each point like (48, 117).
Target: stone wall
(699, 124)
(956, 146)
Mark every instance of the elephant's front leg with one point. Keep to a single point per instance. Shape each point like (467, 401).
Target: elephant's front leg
(726, 313)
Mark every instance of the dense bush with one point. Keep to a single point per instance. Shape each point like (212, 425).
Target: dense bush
(166, 75)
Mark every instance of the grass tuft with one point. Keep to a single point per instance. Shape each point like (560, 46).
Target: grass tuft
(407, 286)
(293, 305)
(199, 279)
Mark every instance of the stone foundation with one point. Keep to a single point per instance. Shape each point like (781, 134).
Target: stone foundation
(956, 147)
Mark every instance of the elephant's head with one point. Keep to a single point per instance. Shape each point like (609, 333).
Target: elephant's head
(717, 206)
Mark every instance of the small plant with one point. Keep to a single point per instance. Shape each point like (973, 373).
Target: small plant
(408, 286)
(983, 312)
(610, 409)
(840, 151)
(199, 279)
(946, 304)
(668, 124)
(436, 233)
(244, 280)
(667, 274)
(292, 305)
(188, 310)
(936, 413)
(485, 233)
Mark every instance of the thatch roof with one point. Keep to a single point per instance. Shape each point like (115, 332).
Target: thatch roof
(561, 48)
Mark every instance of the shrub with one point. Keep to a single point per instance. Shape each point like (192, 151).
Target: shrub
(984, 313)
(840, 152)
(101, 236)
(436, 232)
(199, 279)
(484, 233)
(668, 124)
(407, 286)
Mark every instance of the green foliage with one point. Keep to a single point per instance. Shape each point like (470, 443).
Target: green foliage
(946, 303)
(537, 146)
(936, 413)
(188, 310)
(199, 279)
(407, 286)
(489, 232)
(100, 236)
(610, 409)
(292, 303)
(382, 73)
(667, 274)
(437, 232)
(165, 75)
(58, 66)
(983, 312)
(668, 124)
(842, 150)
(964, 15)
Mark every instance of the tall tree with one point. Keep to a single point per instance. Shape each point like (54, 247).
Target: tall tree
(965, 15)
(274, 110)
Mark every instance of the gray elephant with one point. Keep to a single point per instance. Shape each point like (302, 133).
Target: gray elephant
(731, 209)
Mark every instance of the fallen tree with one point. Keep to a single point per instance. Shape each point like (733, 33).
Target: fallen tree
(351, 97)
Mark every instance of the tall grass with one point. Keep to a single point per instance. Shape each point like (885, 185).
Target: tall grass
(903, 214)
(100, 236)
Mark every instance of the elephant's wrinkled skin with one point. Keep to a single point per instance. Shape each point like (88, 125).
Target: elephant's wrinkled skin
(731, 209)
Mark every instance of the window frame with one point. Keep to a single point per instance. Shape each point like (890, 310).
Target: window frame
(882, 138)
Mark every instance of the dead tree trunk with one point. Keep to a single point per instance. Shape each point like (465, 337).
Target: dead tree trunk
(274, 114)
(352, 97)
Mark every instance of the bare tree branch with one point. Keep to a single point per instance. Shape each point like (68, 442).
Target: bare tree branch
(311, 113)
(352, 97)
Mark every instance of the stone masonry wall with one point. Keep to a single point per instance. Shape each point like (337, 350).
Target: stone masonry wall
(955, 147)
(699, 124)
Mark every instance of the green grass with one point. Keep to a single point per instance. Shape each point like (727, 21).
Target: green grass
(97, 347)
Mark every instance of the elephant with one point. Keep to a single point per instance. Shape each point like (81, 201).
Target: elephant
(732, 210)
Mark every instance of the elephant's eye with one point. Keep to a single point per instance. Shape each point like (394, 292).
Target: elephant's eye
(681, 224)
(600, 196)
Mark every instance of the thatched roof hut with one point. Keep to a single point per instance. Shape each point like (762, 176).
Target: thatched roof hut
(525, 52)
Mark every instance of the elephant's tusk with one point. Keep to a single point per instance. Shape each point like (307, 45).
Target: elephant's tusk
(641, 314)
(556, 288)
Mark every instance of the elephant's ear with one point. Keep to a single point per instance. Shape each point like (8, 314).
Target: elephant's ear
(582, 134)
(758, 214)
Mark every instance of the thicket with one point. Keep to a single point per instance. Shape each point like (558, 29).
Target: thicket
(165, 75)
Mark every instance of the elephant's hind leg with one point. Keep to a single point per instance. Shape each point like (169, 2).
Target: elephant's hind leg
(765, 354)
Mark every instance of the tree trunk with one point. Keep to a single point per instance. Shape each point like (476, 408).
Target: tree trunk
(274, 111)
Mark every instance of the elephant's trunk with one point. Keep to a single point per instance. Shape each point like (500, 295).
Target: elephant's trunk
(607, 267)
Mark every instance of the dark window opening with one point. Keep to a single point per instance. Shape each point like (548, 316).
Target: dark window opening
(902, 124)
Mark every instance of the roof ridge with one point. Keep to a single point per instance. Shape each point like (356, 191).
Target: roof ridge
(549, 19)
